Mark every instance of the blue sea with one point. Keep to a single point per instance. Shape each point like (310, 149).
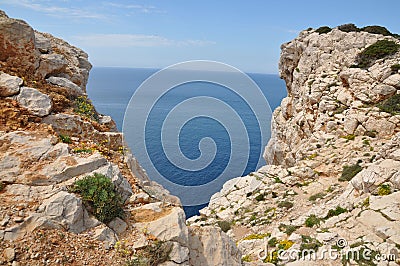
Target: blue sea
(211, 139)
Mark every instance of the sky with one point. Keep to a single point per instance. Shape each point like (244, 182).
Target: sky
(158, 33)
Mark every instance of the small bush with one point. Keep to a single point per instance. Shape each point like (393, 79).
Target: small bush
(384, 189)
(83, 106)
(272, 242)
(246, 258)
(377, 30)
(288, 229)
(99, 193)
(260, 197)
(312, 220)
(224, 225)
(348, 28)
(370, 133)
(395, 67)
(319, 195)
(285, 204)
(65, 139)
(285, 244)
(323, 29)
(151, 255)
(308, 243)
(2, 186)
(378, 50)
(350, 137)
(335, 212)
(256, 236)
(349, 171)
(391, 105)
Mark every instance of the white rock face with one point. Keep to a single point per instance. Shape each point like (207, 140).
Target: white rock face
(209, 246)
(9, 85)
(63, 82)
(36, 102)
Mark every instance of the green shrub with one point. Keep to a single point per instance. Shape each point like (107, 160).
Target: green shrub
(349, 137)
(319, 195)
(151, 255)
(349, 171)
(246, 258)
(378, 50)
(224, 225)
(312, 220)
(395, 67)
(287, 229)
(391, 105)
(99, 193)
(285, 204)
(335, 212)
(308, 243)
(323, 29)
(256, 236)
(348, 28)
(272, 242)
(370, 133)
(260, 197)
(377, 30)
(65, 139)
(83, 106)
(384, 189)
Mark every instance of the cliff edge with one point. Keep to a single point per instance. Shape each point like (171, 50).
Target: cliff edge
(70, 191)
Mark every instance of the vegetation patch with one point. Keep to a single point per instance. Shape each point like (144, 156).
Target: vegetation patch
(350, 137)
(256, 236)
(272, 242)
(395, 67)
(84, 107)
(374, 29)
(384, 189)
(349, 28)
(99, 193)
(288, 229)
(285, 204)
(323, 29)
(224, 225)
(260, 197)
(246, 258)
(378, 50)
(319, 195)
(65, 139)
(153, 254)
(309, 244)
(391, 105)
(335, 212)
(2, 186)
(312, 220)
(349, 171)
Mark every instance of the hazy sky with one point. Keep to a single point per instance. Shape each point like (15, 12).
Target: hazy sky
(245, 34)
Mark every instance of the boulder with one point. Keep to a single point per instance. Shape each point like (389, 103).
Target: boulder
(51, 64)
(9, 85)
(42, 43)
(210, 246)
(66, 83)
(36, 102)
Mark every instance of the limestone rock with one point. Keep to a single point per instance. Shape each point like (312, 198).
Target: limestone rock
(66, 83)
(36, 102)
(68, 210)
(51, 64)
(118, 225)
(210, 246)
(9, 85)
(171, 226)
(9, 254)
(42, 43)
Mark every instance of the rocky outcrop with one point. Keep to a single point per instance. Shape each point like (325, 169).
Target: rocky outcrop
(332, 177)
(52, 137)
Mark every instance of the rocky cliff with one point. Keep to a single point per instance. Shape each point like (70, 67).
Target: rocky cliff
(52, 138)
(332, 179)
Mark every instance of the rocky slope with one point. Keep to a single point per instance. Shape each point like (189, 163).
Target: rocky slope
(52, 136)
(332, 182)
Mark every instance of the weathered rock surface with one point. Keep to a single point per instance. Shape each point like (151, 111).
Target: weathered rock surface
(35, 101)
(210, 246)
(9, 85)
